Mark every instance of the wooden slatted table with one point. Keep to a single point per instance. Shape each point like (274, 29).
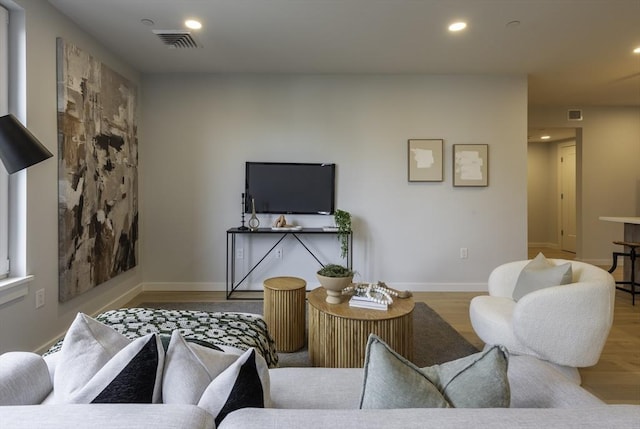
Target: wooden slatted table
(284, 311)
(338, 333)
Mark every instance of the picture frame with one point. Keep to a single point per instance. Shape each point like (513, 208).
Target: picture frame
(471, 165)
(425, 160)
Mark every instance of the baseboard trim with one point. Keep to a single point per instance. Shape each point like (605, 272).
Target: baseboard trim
(602, 262)
(114, 303)
(220, 287)
(186, 287)
(121, 300)
(441, 287)
(549, 245)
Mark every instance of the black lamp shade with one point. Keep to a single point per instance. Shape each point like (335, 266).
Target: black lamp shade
(18, 147)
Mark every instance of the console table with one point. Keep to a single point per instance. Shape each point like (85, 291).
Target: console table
(278, 236)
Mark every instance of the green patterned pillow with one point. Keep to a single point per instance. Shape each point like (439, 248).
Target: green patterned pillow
(476, 381)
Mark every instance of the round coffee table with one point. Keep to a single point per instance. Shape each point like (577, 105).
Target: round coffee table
(338, 333)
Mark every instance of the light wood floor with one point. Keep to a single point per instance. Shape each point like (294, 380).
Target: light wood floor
(615, 379)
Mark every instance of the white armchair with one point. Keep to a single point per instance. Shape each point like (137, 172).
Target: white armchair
(566, 325)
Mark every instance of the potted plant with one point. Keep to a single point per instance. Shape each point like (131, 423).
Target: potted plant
(334, 278)
(342, 219)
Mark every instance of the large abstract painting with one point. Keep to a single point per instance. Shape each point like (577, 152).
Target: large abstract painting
(97, 173)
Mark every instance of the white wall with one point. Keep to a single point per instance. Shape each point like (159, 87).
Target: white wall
(541, 193)
(22, 327)
(199, 131)
(608, 172)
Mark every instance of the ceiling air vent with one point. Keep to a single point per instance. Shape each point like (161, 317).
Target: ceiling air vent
(177, 38)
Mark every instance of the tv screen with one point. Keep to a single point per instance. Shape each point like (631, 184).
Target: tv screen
(294, 188)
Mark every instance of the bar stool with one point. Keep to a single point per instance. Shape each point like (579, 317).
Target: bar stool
(632, 255)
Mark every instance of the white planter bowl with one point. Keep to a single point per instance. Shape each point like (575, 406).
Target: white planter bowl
(334, 287)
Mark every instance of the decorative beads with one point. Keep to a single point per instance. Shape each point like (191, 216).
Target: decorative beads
(373, 292)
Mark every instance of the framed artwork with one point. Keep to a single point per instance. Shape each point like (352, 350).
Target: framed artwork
(425, 160)
(470, 165)
(97, 172)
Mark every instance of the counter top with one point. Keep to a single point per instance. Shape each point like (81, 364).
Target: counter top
(629, 219)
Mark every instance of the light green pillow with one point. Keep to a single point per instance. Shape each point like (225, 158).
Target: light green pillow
(540, 273)
(476, 381)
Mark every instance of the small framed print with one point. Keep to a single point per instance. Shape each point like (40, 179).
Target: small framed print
(470, 165)
(425, 160)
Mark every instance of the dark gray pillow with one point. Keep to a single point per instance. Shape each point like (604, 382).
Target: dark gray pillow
(476, 381)
(540, 273)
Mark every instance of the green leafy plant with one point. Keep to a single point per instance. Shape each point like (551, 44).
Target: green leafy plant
(343, 223)
(335, 270)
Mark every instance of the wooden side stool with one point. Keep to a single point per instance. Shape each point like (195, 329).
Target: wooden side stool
(284, 311)
(632, 255)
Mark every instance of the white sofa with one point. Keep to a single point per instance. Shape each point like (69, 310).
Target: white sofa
(316, 398)
(567, 325)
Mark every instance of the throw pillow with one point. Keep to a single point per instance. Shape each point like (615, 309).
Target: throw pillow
(166, 339)
(391, 381)
(189, 369)
(244, 384)
(24, 379)
(476, 381)
(540, 273)
(99, 365)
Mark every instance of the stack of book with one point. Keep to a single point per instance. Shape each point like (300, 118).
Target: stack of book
(362, 301)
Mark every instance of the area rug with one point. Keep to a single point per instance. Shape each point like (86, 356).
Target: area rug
(435, 341)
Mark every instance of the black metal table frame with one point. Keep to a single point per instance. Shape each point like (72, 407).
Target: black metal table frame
(230, 284)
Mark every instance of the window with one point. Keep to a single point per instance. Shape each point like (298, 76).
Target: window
(4, 109)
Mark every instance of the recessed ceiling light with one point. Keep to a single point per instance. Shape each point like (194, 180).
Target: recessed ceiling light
(637, 50)
(147, 21)
(193, 24)
(458, 26)
(545, 137)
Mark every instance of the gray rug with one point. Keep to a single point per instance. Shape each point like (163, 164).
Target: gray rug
(435, 341)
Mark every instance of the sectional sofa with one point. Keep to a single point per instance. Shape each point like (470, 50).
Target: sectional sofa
(540, 397)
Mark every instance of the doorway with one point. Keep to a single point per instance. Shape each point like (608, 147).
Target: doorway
(552, 176)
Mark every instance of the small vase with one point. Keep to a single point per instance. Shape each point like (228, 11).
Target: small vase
(254, 222)
(334, 287)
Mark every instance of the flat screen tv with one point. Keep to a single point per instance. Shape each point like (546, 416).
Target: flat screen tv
(290, 188)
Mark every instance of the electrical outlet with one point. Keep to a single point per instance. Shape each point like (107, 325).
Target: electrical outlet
(239, 253)
(278, 253)
(464, 253)
(40, 298)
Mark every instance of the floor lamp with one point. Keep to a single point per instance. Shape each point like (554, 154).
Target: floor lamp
(19, 148)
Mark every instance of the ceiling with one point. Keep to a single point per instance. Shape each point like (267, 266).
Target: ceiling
(554, 135)
(576, 52)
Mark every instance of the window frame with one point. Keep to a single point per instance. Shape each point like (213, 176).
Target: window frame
(15, 286)
(4, 176)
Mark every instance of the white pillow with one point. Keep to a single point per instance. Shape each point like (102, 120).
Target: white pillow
(98, 364)
(189, 368)
(541, 273)
(24, 379)
(245, 384)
